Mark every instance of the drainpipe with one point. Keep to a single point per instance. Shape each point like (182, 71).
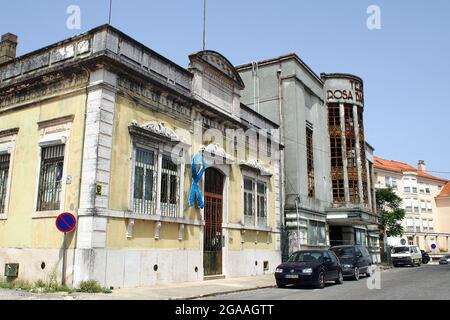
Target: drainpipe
(298, 221)
(282, 175)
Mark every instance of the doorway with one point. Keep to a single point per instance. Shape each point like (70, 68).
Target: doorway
(213, 234)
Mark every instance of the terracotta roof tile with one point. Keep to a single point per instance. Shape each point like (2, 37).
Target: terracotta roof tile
(445, 192)
(401, 167)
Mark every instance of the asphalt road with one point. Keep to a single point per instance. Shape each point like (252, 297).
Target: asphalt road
(428, 282)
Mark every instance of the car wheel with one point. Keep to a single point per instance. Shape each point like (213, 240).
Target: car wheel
(281, 285)
(356, 274)
(321, 281)
(419, 263)
(340, 279)
(413, 264)
(395, 265)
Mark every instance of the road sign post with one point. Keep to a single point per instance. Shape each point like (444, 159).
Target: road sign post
(65, 223)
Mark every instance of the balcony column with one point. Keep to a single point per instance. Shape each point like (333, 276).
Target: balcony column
(359, 163)
(344, 153)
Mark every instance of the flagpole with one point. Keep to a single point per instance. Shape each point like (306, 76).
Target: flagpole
(204, 25)
(110, 11)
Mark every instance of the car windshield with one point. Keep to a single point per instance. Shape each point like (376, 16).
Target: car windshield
(344, 252)
(306, 256)
(400, 250)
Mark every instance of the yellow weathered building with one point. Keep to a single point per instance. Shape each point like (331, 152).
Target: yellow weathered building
(102, 127)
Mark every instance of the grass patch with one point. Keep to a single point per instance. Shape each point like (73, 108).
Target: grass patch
(52, 286)
(92, 286)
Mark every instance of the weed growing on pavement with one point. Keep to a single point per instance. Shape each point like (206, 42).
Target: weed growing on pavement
(51, 286)
(92, 286)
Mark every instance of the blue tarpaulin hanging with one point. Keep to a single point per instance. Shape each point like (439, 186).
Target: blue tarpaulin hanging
(197, 174)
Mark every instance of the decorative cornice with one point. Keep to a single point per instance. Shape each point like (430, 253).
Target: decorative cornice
(9, 132)
(157, 129)
(256, 165)
(215, 150)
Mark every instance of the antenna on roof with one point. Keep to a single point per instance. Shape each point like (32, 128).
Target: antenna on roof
(204, 25)
(110, 11)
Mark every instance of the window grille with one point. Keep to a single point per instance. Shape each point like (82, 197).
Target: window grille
(169, 188)
(50, 181)
(144, 182)
(4, 172)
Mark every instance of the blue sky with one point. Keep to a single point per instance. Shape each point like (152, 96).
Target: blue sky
(405, 65)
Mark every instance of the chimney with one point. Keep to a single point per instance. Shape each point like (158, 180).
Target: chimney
(8, 47)
(421, 166)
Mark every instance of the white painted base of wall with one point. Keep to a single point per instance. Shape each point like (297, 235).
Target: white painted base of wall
(30, 261)
(125, 268)
(243, 263)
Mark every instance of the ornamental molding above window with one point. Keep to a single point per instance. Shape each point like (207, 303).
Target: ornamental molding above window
(256, 165)
(158, 130)
(215, 150)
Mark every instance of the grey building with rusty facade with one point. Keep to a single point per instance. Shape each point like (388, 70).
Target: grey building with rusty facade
(328, 175)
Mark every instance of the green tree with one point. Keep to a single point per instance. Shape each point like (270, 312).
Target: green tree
(389, 205)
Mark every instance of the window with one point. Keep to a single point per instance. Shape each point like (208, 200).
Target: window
(255, 190)
(310, 161)
(408, 205)
(430, 225)
(262, 204)
(336, 152)
(416, 205)
(334, 118)
(50, 181)
(418, 225)
(147, 198)
(423, 206)
(144, 182)
(414, 185)
(338, 191)
(348, 115)
(351, 152)
(4, 172)
(269, 146)
(406, 185)
(360, 237)
(248, 201)
(429, 206)
(409, 225)
(247, 146)
(354, 193)
(427, 189)
(169, 187)
(421, 188)
(317, 233)
(425, 225)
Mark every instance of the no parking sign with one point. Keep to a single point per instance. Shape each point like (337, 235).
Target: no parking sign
(66, 222)
(433, 246)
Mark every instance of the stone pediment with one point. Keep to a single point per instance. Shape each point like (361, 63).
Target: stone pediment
(256, 165)
(222, 64)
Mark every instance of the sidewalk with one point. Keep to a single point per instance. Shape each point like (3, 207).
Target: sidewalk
(192, 290)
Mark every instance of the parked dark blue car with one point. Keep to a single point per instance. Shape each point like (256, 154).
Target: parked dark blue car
(355, 260)
(312, 267)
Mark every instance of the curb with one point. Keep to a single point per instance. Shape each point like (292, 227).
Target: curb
(224, 292)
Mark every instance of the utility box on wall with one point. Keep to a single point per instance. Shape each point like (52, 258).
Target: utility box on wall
(11, 270)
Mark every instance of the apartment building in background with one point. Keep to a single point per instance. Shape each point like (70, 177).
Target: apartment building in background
(328, 175)
(424, 200)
